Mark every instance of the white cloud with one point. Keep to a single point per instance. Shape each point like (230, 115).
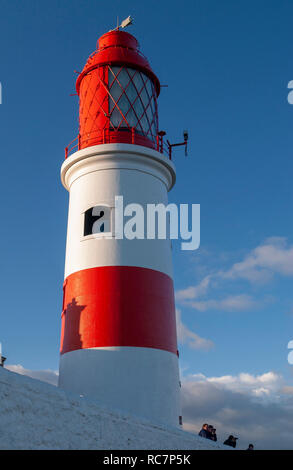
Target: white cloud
(256, 408)
(49, 376)
(273, 257)
(194, 291)
(266, 386)
(230, 303)
(186, 336)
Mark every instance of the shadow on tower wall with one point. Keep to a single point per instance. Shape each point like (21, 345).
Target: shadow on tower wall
(70, 337)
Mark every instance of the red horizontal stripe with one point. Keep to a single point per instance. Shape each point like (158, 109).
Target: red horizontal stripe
(118, 306)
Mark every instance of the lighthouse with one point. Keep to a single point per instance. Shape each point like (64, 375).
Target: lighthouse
(118, 333)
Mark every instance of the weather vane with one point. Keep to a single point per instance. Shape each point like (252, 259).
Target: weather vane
(127, 22)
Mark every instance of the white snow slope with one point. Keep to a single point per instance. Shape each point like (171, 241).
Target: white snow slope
(36, 415)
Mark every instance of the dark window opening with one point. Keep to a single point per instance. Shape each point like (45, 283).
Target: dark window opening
(90, 219)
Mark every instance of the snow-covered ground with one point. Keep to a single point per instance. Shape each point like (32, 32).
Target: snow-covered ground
(36, 415)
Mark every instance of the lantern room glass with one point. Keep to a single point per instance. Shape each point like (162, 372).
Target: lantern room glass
(132, 101)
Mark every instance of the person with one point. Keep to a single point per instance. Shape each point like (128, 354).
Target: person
(2, 360)
(213, 434)
(210, 431)
(231, 441)
(250, 447)
(204, 432)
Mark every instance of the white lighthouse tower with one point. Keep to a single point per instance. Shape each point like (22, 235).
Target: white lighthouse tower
(118, 339)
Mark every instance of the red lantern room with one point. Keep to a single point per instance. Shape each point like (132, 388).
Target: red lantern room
(118, 94)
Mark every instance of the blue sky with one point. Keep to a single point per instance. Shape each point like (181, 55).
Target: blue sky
(227, 65)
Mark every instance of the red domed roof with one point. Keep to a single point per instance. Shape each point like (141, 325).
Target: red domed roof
(118, 48)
